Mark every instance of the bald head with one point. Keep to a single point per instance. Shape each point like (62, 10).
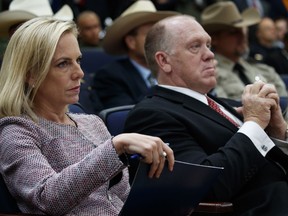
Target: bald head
(164, 34)
(177, 49)
(266, 32)
(89, 26)
(86, 15)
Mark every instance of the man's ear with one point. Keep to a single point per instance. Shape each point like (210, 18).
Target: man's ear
(163, 61)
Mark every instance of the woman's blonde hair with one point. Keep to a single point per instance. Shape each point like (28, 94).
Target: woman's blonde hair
(27, 57)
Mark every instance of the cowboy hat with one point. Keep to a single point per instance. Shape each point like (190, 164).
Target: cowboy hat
(222, 15)
(64, 13)
(22, 10)
(139, 13)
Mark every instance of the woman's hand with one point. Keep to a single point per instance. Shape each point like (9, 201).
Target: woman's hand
(152, 149)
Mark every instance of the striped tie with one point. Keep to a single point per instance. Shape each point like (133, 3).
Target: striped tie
(216, 107)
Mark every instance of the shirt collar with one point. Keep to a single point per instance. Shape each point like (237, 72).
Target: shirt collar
(143, 71)
(189, 92)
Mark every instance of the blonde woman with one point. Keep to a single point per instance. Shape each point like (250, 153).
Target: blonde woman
(55, 162)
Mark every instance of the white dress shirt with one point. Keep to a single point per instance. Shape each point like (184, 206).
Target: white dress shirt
(251, 129)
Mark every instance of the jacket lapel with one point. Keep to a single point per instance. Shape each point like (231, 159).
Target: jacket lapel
(133, 75)
(197, 106)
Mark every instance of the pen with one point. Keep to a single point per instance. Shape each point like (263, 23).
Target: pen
(136, 156)
(139, 156)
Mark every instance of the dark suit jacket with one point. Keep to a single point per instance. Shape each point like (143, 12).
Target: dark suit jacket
(119, 83)
(198, 134)
(279, 60)
(274, 56)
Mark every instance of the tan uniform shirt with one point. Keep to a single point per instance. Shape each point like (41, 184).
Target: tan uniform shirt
(229, 85)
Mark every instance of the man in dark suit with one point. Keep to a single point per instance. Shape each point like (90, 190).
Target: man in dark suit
(127, 80)
(279, 60)
(213, 133)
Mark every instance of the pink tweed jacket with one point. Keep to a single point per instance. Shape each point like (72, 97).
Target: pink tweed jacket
(58, 169)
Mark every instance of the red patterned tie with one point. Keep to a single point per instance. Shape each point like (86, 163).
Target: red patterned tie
(216, 107)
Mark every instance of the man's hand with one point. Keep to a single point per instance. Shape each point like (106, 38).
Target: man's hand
(277, 125)
(259, 99)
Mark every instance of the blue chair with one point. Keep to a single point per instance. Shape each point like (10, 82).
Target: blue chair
(284, 100)
(115, 117)
(92, 60)
(285, 79)
(76, 108)
(283, 103)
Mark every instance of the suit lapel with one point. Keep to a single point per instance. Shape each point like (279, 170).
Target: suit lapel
(133, 75)
(197, 106)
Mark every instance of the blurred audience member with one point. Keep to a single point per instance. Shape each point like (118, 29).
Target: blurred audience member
(89, 25)
(279, 60)
(16, 14)
(266, 36)
(257, 4)
(281, 29)
(266, 48)
(22, 10)
(127, 80)
(228, 29)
